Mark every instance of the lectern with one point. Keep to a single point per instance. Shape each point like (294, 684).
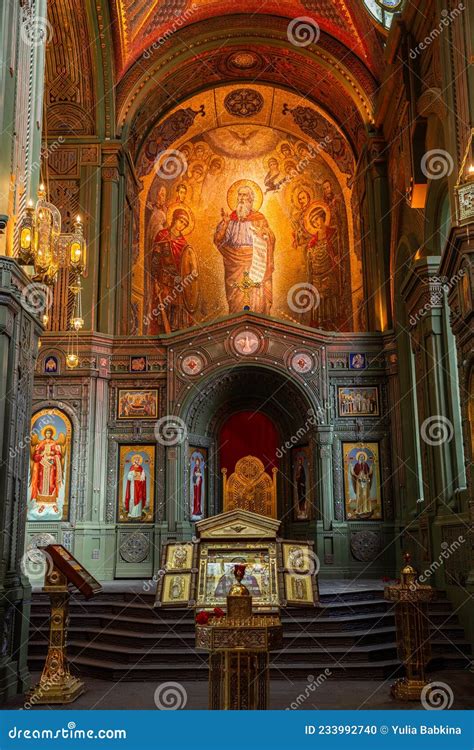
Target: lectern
(57, 684)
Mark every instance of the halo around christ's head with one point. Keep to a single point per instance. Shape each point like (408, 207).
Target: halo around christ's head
(234, 189)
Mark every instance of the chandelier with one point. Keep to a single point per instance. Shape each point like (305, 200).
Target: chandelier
(43, 247)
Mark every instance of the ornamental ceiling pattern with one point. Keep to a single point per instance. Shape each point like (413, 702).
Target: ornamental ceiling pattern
(349, 103)
(140, 23)
(69, 96)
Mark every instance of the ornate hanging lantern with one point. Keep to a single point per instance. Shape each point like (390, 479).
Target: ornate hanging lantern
(40, 231)
(77, 321)
(44, 247)
(74, 248)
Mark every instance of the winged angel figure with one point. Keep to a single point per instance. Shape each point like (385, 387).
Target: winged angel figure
(47, 456)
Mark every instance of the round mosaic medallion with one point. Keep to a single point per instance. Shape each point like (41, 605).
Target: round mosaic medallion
(246, 343)
(243, 102)
(192, 364)
(301, 362)
(134, 547)
(243, 60)
(365, 545)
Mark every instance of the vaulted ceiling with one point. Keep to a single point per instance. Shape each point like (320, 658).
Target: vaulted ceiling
(141, 23)
(115, 67)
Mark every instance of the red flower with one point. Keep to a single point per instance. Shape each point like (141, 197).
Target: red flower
(385, 579)
(218, 612)
(202, 618)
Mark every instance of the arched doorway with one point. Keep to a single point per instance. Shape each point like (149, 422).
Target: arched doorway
(248, 433)
(254, 410)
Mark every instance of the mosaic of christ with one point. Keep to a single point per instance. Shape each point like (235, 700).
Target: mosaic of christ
(255, 220)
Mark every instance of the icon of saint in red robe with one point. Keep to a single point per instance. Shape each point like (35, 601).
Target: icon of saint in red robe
(135, 493)
(197, 478)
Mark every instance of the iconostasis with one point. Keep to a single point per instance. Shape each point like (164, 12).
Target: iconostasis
(243, 156)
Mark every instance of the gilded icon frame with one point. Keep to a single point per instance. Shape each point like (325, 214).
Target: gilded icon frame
(262, 556)
(57, 420)
(293, 583)
(300, 573)
(135, 391)
(176, 590)
(148, 454)
(350, 451)
(179, 556)
(355, 391)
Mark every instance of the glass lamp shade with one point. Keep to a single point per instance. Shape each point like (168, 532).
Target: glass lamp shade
(72, 361)
(26, 236)
(77, 323)
(77, 248)
(46, 246)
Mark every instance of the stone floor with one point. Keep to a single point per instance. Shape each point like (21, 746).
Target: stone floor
(329, 694)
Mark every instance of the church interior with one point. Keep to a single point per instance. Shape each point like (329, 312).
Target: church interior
(236, 349)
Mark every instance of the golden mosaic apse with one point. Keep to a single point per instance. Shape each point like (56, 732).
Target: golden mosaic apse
(244, 215)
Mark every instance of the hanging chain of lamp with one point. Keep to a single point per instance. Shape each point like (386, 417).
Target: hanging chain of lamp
(45, 249)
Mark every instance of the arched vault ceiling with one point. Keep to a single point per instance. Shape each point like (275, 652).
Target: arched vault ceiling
(328, 74)
(277, 110)
(140, 23)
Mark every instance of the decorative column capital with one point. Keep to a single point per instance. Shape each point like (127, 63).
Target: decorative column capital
(423, 290)
(111, 158)
(376, 155)
(325, 434)
(377, 152)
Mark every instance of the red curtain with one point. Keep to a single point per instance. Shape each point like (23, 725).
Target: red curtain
(248, 433)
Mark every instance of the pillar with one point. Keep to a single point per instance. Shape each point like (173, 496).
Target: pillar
(109, 238)
(19, 335)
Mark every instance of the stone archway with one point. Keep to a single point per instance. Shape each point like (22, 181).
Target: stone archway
(276, 395)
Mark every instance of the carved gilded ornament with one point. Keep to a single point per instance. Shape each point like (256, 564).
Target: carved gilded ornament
(250, 488)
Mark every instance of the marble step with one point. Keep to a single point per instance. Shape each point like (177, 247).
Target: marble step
(197, 670)
(147, 618)
(121, 636)
(138, 608)
(308, 638)
(179, 651)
